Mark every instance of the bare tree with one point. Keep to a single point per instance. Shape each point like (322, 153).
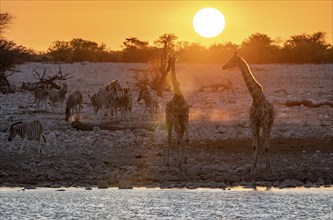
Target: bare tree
(46, 81)
(5, 21)
(10, 55)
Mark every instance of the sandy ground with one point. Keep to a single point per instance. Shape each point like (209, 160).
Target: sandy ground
(219, 152)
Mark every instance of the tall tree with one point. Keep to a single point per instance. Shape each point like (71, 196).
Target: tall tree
(10, 54)
(258, 48)
(307, 48)
(169, 39)
(135, 50)
(61, 51)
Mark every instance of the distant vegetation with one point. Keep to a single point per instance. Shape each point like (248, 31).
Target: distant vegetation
(257, 48)
(10, 55)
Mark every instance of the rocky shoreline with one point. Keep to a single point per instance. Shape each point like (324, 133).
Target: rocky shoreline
(218, 164)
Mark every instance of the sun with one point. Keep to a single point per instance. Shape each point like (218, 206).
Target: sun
(208, 22)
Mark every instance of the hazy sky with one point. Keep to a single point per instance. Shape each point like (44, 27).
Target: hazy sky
(38, 23)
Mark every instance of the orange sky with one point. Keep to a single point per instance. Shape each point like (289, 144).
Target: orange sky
(38, 23)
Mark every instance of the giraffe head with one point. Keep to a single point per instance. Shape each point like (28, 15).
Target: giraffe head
(233, 62)
(171, 62)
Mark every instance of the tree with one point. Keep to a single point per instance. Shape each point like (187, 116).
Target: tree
(61, 51)
(221, 52)
(10, 55)
(135, 50)
(307, 48)
(258, 48)
(169, 39)
(192, 52)
(85, 50)
(5, 21)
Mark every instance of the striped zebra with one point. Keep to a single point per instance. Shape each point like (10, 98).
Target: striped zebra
(74, 103)
(57, 96)
(41, 94)
(27, 131)
(151, 102)
(127, 103)
(115, 86)
(101, 100)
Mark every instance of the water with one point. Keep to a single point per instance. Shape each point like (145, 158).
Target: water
(166, 204)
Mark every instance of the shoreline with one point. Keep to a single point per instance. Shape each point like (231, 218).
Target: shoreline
(229, 188)
(305, 162)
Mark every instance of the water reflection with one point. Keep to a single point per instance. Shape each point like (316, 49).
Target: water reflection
(165, 204)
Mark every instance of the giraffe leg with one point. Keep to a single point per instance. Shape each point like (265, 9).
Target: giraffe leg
(169, 126)
(185, 143)
(255, 144)
(179, 144)
(182, 147)
(266, 136)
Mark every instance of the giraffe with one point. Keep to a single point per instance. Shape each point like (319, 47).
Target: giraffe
(177, 111)
(261, 112)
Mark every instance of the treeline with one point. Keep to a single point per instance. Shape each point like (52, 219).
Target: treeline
(257, 48)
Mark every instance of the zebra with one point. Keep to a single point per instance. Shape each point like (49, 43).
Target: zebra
(27, 131)
(122, 99)
(100, 100)
(114, 85)
(74, 102)
(41, 94)
(126, 103)
(56, 96)
(151, 102)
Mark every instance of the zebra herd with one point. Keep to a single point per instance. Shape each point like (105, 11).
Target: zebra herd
(109, 100)
(113, 98)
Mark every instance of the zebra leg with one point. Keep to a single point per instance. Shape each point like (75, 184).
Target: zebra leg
(22, 144)
(144, 112)
(38, 103)
(52, 106)
(39, 146)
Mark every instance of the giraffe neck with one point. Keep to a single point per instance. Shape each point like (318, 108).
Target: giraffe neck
(175, 82)
(252, 84)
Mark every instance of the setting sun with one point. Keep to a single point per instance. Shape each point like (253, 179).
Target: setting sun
(208, 22)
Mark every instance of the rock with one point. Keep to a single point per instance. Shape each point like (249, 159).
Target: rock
(290, 183)
(30, 187)
(60, 190)
(125, 184)
(221, 185)
(192, 185)
(276, 184)
(211, 184)
(167, 185)
(264, 183)
(56, 185)
(320, 182)
(3, 174)
(308, 184)
(88, 188)
(102, 184)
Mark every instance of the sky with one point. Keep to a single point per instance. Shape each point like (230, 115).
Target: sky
(39, 23)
